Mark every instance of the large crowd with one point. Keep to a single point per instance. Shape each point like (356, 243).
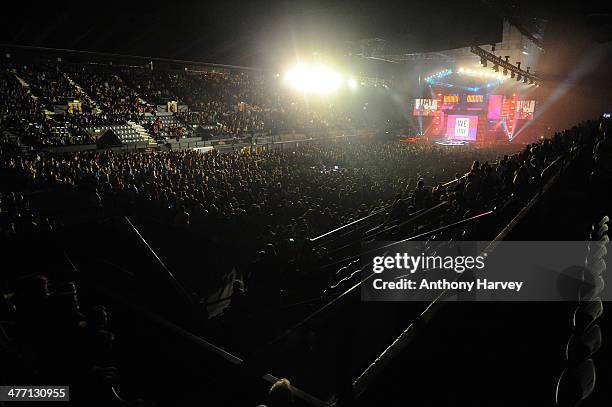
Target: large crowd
(297, 192)
(264, 205)
(79, 96)
(260, 207)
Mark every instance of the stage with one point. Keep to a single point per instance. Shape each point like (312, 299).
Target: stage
(462, 105)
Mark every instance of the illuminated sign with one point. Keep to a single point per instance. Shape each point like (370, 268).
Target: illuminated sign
(475, 98)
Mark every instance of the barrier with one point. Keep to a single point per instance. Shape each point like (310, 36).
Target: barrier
(233, 365)
(92, 147)
(373, 372)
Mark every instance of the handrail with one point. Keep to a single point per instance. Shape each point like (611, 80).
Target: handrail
(333, 302)
(367, 232)
(545, 171)
(226, 356)
(372, 372)
(437, 230)
(362, 382)
(257, 355)
(329, 304)
(334, 231)
(361, 220)
(417, 215)
(453, 181)
(542, 187)
(177, 285)
(454, 224)
(317, 239)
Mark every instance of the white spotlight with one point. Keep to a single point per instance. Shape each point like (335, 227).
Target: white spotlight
(315, 77)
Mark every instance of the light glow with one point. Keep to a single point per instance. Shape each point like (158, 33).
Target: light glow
(313, 78)
(482, 73)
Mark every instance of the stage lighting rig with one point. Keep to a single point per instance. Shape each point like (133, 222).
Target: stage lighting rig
(496, 66)
(483, 62)
(514, 70)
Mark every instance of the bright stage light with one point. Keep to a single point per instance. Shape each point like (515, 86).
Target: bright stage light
(352, 83)
(313, 77)
(482, 73)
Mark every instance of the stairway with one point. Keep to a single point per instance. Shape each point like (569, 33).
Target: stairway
(96, 109)
(142, 133)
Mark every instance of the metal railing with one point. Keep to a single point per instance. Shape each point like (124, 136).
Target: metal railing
(373, 371)
(224, 357)
(167, 273)
(550, 171)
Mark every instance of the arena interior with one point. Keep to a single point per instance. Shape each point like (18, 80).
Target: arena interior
(190, 196)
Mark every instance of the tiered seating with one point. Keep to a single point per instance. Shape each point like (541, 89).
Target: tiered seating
(125, 132)
(24, 114)
(63, 134)
(50, 85)
(166, 126)
(229, 104)
(108, 90)
(152, 85)
(168, 120)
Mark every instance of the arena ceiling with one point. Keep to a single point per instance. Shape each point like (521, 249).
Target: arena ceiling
(268, 33)
(248, 32)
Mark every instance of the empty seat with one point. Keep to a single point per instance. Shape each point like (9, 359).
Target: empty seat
(603, 229)
(591, 287)
(598, 267)
(603, 221)
(575, 384)
(597, 244)
(582, 345)
(587, 313)
(596, 254)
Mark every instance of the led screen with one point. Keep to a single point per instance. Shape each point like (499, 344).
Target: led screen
(462, 127)
(525, 109)
(425, 107)
(474, 98)
(495, 107)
